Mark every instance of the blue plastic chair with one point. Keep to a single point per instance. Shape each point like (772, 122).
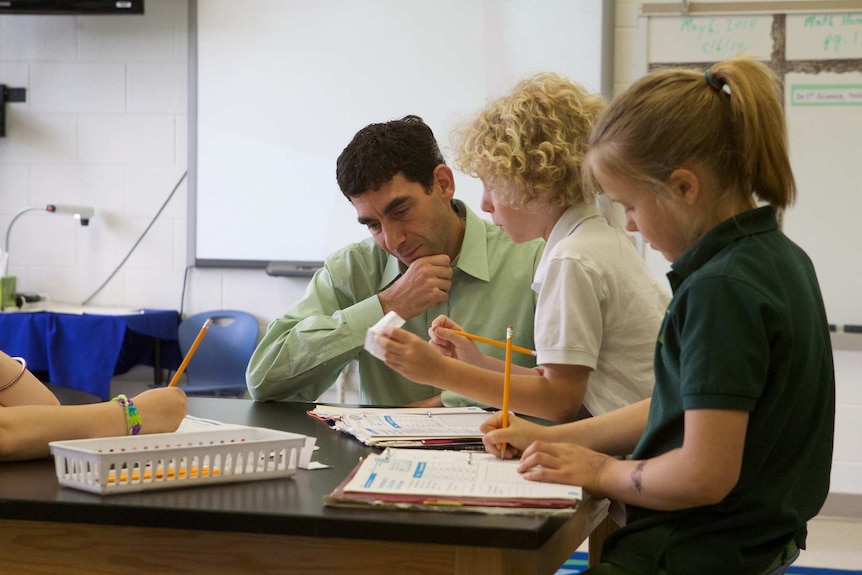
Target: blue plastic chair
(218, 366)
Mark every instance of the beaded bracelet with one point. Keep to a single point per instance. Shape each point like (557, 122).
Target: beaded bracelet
(23, 363)
(133, 418)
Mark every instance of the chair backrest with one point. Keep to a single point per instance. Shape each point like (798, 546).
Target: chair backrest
(218, 366)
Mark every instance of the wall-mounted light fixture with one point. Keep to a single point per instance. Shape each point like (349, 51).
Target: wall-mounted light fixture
(80, 213)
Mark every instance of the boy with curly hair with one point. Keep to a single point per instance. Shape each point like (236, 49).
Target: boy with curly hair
(599, 309)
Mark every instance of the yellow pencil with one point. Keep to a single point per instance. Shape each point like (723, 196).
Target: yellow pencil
(507, 380)
(191, 352)
(490, 341)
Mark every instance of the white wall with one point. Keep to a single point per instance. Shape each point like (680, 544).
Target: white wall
(105, 124)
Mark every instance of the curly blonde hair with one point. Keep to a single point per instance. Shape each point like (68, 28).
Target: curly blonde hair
(529, 145)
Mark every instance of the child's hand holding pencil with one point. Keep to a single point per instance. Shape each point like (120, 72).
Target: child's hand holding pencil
(516, 436)
(445, 335)
(161, 409)
(452, 341)
(410, 355)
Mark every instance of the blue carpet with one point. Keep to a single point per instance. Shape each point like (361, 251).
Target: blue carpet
(574, 564)
(577, 563)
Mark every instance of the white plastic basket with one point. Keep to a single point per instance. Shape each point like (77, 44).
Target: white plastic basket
(170, 460)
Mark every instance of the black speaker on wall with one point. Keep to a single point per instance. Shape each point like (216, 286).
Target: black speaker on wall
(74, 7)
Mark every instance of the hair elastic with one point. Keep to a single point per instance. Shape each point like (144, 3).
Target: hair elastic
(133, 418)
(23, 363)
(718, 85)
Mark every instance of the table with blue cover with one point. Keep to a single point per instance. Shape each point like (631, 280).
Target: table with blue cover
(83, 350)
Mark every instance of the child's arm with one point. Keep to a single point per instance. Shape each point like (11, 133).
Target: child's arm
(616, 432)
(556, 397)
(442, 335)
(701, 472)
(26, 430)
(20, 387)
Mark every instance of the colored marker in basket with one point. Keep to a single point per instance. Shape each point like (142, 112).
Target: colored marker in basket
(159, 474)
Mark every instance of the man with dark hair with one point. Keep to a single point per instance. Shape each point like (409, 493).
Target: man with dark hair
(428, 255)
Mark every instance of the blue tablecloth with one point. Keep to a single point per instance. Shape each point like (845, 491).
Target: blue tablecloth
(83, 351)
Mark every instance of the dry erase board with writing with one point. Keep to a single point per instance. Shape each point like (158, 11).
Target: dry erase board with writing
(819, 58)
(279, 87)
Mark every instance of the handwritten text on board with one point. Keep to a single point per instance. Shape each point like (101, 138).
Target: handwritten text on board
(709, 39)
(824, 36)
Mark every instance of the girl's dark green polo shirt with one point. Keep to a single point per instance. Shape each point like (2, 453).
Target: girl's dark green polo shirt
(746, 330)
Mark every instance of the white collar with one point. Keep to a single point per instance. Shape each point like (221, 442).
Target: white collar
(569, 221)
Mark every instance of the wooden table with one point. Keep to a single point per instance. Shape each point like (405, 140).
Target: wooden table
(272, 526)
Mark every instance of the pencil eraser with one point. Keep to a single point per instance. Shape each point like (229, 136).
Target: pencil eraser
(390, 319)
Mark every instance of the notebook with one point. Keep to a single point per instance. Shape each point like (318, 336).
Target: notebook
(439, 427)
(449, 480)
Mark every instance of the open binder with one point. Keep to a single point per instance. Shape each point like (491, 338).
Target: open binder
(439, 427)
(449, 480)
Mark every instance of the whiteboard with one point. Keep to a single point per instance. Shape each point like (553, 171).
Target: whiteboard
(821, 66)
(279, 87)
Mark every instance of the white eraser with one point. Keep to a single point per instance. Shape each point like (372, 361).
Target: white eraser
(306, 453)
(391, 318)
